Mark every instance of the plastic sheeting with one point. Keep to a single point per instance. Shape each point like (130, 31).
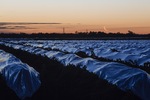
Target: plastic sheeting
(124, 77)
(20, 77)
(124, 50)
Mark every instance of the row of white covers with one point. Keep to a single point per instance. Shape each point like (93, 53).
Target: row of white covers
(20, 77)
(124, 77)
(124, 51)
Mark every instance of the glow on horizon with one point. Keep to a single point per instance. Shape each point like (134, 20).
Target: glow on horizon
(94, 15)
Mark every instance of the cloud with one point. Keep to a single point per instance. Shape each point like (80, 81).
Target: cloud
(3, 27)
(20, 25)
(23, 23)
(15, 27)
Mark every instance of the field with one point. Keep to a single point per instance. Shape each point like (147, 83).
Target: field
(82, 69)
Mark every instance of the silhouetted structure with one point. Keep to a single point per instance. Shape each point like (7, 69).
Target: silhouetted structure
(77, 35)
(63, 30)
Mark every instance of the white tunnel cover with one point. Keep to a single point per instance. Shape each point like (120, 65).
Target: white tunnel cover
(20, 77)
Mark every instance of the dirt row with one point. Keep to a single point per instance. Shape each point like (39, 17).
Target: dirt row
(64, 82)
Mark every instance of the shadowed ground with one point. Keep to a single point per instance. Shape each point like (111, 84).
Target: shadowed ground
(60, 83)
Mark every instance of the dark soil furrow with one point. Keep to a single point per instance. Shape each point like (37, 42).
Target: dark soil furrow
(70, 83)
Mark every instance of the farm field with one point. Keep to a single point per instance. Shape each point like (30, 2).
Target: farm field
(118, 65)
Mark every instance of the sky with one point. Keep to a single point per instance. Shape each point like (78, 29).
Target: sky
(75, 15)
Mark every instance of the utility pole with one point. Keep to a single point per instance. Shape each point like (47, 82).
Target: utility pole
(63, 29)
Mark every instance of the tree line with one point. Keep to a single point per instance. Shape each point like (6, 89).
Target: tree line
(77, 35)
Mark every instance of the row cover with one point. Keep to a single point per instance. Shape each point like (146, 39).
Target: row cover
(20, 77)
(126, 78)
(136, 51)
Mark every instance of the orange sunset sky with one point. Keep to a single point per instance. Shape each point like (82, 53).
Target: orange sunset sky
(74, 15)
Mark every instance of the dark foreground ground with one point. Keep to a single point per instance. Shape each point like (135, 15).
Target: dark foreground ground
(63, 83)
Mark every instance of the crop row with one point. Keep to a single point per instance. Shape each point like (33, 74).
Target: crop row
(124, 77)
